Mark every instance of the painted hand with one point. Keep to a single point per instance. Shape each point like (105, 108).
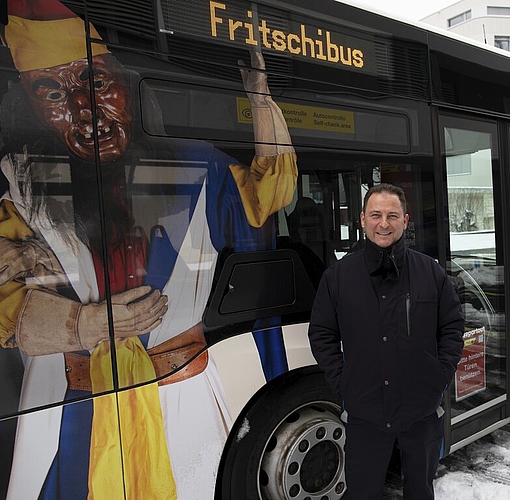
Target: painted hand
(135, 312)
(255, 78)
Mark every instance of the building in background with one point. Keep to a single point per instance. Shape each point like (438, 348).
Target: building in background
(487, 21)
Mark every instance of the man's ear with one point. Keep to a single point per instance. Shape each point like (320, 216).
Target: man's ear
(406, 220)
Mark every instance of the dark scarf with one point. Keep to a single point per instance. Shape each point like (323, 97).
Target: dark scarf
(385, 262)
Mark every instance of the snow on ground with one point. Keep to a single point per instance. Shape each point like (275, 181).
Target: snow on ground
(480, 471)
(465, 486)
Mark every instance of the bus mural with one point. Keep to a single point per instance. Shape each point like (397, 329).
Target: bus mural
(55, 309)
(159, 251)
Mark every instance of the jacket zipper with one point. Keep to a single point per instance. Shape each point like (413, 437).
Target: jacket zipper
(408, 314)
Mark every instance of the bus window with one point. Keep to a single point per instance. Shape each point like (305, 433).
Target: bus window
(320, 121)
(324, 215)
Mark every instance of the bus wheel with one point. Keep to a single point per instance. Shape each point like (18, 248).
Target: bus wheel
(289, 445)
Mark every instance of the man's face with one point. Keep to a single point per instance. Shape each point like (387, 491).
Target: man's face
(60, 98)
(384, 220)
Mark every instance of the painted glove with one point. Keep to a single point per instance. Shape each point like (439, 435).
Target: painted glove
(49, 323)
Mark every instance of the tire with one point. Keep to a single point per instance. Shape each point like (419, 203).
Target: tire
(288, 443)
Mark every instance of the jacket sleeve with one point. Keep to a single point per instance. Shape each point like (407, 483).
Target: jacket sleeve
(324, 334)
(450, 329)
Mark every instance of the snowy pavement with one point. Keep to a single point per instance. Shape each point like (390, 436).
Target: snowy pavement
(480, 471)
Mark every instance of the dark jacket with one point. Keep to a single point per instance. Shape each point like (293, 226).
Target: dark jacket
(388, 342)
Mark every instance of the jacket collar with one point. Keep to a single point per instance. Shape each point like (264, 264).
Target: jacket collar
(374, 256)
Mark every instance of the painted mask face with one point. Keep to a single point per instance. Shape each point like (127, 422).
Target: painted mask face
(60, 98)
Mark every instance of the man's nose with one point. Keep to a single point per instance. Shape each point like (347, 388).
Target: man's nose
(384, 221)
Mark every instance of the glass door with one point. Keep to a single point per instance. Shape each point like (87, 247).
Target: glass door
(475, 261)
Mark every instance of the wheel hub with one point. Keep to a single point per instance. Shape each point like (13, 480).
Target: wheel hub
(304, 457)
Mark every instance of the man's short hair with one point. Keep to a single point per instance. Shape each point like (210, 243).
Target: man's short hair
(388, 189)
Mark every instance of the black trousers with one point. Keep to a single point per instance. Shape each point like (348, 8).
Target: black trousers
(368, 451)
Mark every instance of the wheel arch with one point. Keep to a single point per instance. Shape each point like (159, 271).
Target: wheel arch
(256, 422)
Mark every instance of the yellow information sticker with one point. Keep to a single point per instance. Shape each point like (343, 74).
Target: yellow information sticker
(307, 117)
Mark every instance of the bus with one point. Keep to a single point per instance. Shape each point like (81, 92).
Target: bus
(176, 176)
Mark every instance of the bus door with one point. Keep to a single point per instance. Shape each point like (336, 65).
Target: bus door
(471, 163)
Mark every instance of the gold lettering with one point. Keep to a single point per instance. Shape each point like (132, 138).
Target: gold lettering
(357, 56)
(264, 30)
(291, 38)
(305, 40)
(214, 19)
(332, 49)
(232, 26)
(320, 47)
(279, 40)
(345, 60)
(249, 26)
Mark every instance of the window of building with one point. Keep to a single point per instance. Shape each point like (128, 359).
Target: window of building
(458, 165)
(498, 11)
(459, 19)
(502, 42)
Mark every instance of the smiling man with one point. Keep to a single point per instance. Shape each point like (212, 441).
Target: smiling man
(386, 329)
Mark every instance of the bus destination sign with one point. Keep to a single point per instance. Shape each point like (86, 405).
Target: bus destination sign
(314, 43)
(258, 27)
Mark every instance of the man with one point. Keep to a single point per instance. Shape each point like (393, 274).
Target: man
(59, 268)
(386, 329)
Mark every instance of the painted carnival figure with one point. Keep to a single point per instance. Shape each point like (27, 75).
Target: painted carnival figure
(161, 440)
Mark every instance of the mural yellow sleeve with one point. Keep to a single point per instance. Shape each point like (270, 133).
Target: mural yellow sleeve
(12, 225)
(266, 186)
(12, 294)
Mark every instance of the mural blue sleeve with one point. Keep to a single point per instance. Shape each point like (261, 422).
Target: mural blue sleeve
(271, 348)
(161, 259)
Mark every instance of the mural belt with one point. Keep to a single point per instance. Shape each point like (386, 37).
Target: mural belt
(166, 357)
